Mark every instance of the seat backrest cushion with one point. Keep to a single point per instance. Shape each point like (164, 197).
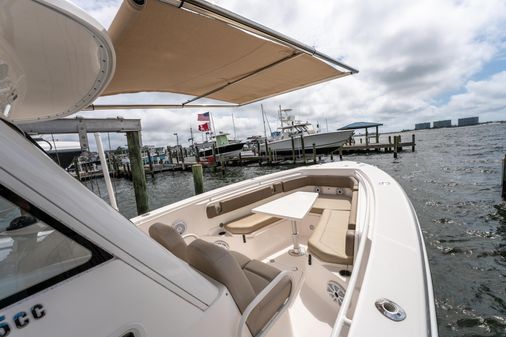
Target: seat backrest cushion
(169, 238)
(217, 263)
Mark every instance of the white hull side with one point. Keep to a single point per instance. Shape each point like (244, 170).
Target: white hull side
(390, 259)
(324, 142)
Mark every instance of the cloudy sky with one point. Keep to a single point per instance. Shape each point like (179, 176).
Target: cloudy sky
(418, 61)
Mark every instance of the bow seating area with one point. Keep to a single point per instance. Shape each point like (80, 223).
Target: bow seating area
(332, 240)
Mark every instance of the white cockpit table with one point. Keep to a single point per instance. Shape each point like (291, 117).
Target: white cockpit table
(294, 206)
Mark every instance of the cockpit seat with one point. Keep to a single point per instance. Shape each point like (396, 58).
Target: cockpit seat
(244, 278)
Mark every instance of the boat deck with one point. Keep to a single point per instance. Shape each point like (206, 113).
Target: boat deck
(312, 312)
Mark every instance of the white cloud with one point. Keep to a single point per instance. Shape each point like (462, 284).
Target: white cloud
(410, 55)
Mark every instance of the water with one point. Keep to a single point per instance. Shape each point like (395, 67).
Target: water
(454, 182)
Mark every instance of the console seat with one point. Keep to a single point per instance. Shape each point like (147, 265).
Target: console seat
(243, 277)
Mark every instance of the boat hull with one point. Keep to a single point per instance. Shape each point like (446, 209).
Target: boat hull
(229, 150)
(324, 143)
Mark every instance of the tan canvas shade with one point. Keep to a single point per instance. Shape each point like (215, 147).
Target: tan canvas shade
(160, 47)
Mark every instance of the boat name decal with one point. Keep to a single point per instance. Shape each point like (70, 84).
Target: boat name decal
(21, 319)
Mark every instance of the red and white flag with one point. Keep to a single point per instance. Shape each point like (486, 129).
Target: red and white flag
(203, 117)
(204, 127)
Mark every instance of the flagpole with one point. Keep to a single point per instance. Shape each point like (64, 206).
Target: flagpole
(213, 129)
(233, 123)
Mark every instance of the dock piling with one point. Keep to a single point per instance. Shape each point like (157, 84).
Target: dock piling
(138, 174)
(182, 158)
(340, 153)
(198, 178)
(169, 153)
(314, 153)
(396, 141)
(413, 143)
(504, 177)
(267, 152)
(293, 150)
(76, 165)
(150, 162)
(303, 149)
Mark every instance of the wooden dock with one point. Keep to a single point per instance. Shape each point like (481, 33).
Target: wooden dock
(394, 144)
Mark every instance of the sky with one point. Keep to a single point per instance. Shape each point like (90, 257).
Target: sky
(419, 61)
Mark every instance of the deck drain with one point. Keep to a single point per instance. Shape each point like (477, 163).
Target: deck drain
(336, 292)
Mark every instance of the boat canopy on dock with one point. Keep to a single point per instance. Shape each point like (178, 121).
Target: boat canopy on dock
(198, 49)
(360, 125)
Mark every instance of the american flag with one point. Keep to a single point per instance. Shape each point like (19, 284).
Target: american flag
(203, 117)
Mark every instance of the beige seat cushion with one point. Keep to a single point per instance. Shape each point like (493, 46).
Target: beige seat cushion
(220, 265)
(243, 277)
(330, 238)
(260, 275)
(331, 202)
(250, 223)
(169, 238)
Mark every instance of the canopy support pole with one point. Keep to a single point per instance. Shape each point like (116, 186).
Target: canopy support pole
(105, 171)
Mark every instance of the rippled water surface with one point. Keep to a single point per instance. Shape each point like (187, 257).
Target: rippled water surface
(454, 182)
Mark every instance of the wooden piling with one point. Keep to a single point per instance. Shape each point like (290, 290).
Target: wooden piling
(389, 142)
(366, 139)
(396, 140)
(293, 150)
(182, 158)
(340, 153)
(138, 174)
(213, 148)
(303, 149)
(504, 177)
(76, 165)
(197, 157)
(267, 152)
(169, 153)
(314, 153)
(413, 143)
(332, 156)
(198, 178)
(240, 159)
(399, 143)
(150, 161)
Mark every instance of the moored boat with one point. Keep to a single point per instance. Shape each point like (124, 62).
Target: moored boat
(220, 147)
(294, 136)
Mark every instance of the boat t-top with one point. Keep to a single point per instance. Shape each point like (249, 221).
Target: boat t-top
(324, 250)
